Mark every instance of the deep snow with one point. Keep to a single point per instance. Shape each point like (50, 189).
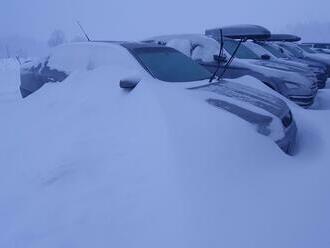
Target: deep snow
(86, 164)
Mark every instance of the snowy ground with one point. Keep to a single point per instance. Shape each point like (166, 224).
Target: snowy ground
(84, 164)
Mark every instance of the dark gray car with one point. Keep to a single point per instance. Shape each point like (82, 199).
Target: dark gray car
(318, 68)
(293, 50)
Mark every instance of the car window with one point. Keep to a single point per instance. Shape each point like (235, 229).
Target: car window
(243, 51)
(294, 51)
(272, 50)
(167, 64)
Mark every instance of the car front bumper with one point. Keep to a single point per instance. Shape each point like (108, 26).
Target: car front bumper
(288, 143)
(303, 101)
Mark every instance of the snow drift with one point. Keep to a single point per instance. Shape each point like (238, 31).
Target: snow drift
(87, 164)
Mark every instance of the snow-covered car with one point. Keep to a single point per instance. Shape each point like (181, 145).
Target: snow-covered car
(316, 73)
(204, 50)
(167, 66)
(318, 68)
(317, 45)
(293, 50)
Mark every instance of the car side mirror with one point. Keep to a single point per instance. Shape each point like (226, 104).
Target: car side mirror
(220, 59)
(265, 57)
(129, 83)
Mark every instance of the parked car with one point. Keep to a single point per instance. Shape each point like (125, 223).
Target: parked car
(293, 50)
(203, 49)
(279, 53)
(313, 70)
(164, 65)
(251, 56)
(317, 45)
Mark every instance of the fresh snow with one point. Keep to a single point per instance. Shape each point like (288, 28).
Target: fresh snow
(87, 164)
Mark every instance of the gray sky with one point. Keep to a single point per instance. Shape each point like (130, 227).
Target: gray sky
(111, 19)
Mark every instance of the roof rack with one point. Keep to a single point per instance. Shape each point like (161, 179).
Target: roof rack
(284, 37)
(242, 32)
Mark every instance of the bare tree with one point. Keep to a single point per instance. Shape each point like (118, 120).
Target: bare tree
(56, 38)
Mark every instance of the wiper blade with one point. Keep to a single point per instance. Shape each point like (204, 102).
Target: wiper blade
(220, 55)
(230, 60)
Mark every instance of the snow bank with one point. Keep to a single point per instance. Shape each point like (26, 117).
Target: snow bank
(86, 164)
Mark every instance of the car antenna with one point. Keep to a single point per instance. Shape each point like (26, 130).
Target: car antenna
(220, 54)
(18, 59)
(231, 58)
(83, 30)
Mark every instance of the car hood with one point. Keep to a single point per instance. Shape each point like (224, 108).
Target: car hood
(247, 95)
(280, 65)
(307, 62)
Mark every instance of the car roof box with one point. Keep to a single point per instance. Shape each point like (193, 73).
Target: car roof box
(246, 32)
(284, 37)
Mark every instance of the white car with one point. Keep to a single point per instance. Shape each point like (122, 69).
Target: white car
(167, 66)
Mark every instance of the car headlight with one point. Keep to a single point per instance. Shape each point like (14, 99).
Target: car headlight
(291, 85)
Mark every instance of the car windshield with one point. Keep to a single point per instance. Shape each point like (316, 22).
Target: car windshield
(307, 49)
(272, 50)
(243, 51)
(167, 64)
(294, 51)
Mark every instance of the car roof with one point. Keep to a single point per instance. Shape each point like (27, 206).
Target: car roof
(129, 44)
(245, 31)
(284, 37)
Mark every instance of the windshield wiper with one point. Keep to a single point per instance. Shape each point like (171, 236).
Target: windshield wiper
(219, 56)
(231, 59)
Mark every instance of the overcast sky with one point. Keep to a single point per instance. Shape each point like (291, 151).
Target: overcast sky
(126, 20)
